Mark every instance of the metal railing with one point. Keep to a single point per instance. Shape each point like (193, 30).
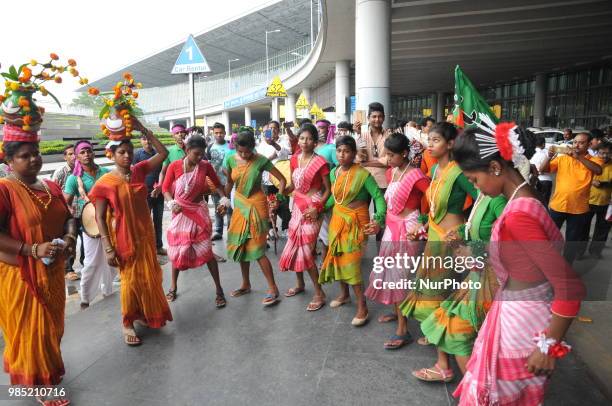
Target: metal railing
(214, 89)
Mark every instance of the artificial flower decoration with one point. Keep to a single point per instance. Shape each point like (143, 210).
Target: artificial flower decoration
(19, 112)
(119, 105)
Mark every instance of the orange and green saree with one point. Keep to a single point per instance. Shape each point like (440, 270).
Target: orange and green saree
(248, 229)
(346, 236)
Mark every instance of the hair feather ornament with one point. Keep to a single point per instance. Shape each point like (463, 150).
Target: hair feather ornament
(502, 138)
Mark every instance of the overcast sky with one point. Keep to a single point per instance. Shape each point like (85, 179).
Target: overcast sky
(104, 36)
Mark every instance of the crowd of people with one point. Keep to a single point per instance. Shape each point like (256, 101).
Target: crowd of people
(426, 191)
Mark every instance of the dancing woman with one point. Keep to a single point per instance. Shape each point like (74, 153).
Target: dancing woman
(311, 186)
(128, 237)
(189, 233)
(539, 294)
(453, 327)
(35, 226)
(352, 187)
(447, 197)
(248, 229)
(404, 197)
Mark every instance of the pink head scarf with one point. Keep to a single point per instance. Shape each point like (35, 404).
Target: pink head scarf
(78, 168)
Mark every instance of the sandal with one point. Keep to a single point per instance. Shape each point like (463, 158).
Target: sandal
(220, 301)
(435, 374)
(130, 337)
(270, 299)
(391, 344)
(219, 258)
(423, 341)
(171, 295)
(337, 303)
(386, 318)
(240, 292)
(294, 291)
(72, 276)
(315, 305)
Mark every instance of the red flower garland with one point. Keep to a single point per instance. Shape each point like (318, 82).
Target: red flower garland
(502, 139)
(559, 350)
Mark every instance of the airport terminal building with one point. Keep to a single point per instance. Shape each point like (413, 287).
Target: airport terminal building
(537, 62)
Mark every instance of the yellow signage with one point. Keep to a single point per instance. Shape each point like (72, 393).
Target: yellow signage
(426, 112)
(276, 88)
(302, 103)
(316, 111)
(497, 110)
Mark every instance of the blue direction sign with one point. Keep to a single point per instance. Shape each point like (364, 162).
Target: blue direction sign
(191, 59)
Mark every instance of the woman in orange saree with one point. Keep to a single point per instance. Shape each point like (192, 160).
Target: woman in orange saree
(128, 237)
(36, 230)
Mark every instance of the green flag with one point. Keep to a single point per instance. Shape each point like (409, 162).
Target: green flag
(468, 102)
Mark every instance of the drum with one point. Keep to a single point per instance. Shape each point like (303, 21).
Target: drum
(285, 169)
(88, 219)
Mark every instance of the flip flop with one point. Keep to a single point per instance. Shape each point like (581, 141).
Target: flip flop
(220, 301)
(294, 291)
(387, 318)
(270, 299)
(314, 306)
(404, 339)
(423, 341)
(337, 303)
(130, 338)
(240, 292)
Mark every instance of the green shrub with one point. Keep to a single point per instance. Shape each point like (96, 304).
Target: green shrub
(57, 146)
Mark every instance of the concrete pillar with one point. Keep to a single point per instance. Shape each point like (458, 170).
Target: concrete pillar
(539, 102)
(373, 53)
(247, 115)
(290, 107)
(171, 125)
(274, 110)
(439, 111)
(306, 93)
(342, 90)
(226, 121)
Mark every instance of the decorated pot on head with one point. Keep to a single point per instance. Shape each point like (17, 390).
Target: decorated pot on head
(118, 109)
(18, 111)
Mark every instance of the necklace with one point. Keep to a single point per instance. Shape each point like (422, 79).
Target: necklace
(126, 176)
(432, 200)
(516, 190)
(31, 192)
(468, 225)
(401, 174)
(300, 171)
(343, 187)
(188, 178)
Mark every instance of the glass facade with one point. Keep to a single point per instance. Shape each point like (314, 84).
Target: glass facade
(579, 99)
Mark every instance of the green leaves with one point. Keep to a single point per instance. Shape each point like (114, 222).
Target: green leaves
(12, 74)
(105, 109)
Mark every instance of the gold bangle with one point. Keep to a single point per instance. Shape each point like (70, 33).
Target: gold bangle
(34, 250)
(108, 250)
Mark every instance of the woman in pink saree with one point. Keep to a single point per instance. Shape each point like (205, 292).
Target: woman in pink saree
(311, 189)
(189, 233)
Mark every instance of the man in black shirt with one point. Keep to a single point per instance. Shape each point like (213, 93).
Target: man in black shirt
(155, 198)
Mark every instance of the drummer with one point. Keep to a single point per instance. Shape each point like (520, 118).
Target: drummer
(96, 274)
(275, 152)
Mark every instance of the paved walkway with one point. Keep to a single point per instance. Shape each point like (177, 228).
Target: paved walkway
(245, 354)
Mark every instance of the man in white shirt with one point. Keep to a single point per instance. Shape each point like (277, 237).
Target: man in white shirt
(271, 149)
(545, 179)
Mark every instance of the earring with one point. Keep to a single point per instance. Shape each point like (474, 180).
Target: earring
(497, 173)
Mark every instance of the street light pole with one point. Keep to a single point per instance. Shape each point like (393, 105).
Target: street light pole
(311, 26)
(229, 74)
(267, 60)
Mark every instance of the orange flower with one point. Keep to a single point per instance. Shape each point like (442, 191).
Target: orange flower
(58, 79)
(93, 91)
(127, 76)
(27, 120)
(23, 102)
(2, 98)
(54, 56)
(117, 93)
(72, 62)
(135, 94)
(123, 112)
